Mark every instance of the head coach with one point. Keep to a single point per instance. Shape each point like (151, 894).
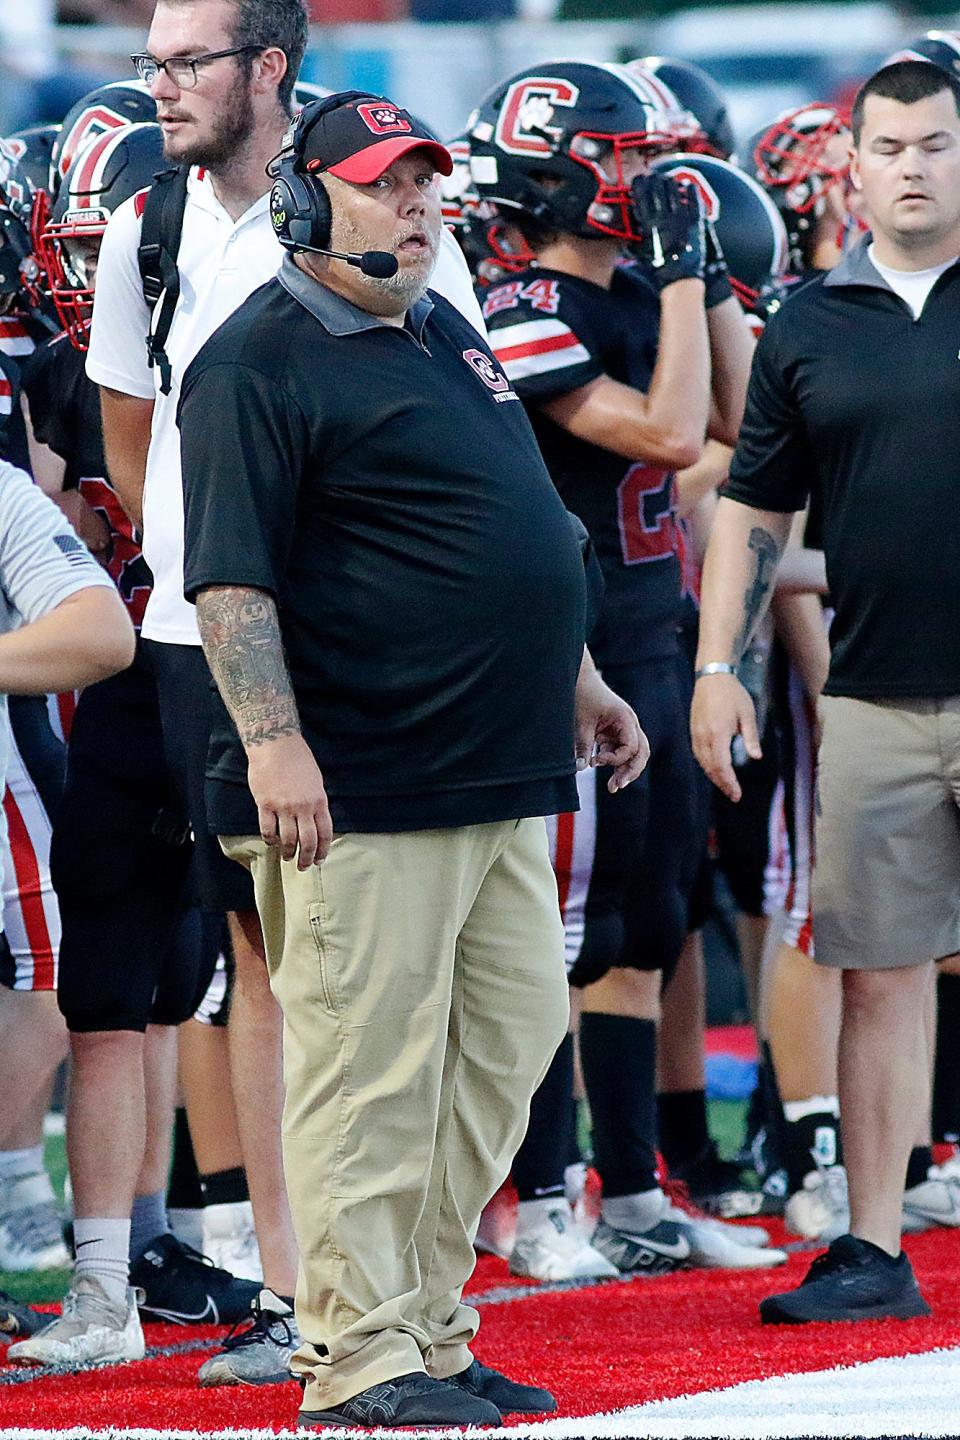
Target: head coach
(392, 600)
(855, 391)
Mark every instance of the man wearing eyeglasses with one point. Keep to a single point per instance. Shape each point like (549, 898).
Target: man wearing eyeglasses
(221, 72)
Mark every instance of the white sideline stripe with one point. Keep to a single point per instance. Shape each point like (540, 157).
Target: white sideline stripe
(54, 1124)
(909, 1395)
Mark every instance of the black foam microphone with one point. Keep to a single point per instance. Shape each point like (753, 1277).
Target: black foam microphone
(378, 264)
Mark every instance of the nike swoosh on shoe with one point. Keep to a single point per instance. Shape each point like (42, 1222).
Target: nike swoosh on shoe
(209, 1315)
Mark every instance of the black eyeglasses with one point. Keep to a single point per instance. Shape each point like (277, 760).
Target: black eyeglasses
(182, 69)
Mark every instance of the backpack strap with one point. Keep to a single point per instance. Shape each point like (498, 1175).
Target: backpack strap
(161, 228)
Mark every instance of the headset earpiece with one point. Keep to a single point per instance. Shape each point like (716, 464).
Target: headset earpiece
(299, 208)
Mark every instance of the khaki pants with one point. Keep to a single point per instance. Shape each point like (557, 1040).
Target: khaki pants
(422, 985)
(886, 886)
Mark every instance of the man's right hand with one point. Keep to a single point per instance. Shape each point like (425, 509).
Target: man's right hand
(286, 783)
(721, 710)
(669, 216)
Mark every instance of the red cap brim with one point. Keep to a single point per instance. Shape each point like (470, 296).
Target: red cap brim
(369, 164)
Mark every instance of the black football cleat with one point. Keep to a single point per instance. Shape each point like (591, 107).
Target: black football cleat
(409, 1400)
(510, 1397)
(182, 1287)
(853, 1280)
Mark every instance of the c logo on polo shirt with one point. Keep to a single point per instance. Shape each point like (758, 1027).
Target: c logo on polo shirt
(382, 119)
(492, 377)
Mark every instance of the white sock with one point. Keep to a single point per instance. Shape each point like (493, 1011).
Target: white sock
(532, 1213)
(14, 1164)
(103, 1250)
(795, 1110)
(633, 1213)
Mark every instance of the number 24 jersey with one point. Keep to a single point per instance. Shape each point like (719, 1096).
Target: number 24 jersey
(554, 333)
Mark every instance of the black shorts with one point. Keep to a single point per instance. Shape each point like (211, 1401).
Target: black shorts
(626, 863)
(184, 686)
(132, 951)
(742, 831)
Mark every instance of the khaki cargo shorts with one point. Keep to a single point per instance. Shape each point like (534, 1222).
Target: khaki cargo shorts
(886, 885)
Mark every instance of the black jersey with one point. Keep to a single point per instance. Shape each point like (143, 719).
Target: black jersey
(13, 431)
(65, 414)
(554, 333)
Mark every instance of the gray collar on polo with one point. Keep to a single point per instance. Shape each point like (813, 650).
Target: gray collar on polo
(856, 268)
(337, 315)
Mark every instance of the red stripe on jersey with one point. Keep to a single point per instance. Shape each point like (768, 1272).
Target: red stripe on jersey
(27, 872)
(67, 708)
(563, 861)
(506, 353)
(12, 329)
(140, 202)
(6, 389)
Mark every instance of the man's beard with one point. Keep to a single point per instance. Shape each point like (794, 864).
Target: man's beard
(400, 291)
(231, 131)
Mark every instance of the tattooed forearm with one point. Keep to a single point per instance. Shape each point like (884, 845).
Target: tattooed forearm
(241, 640)
(766, 551)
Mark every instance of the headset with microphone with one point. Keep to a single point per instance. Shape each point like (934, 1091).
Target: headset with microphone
(299, 203)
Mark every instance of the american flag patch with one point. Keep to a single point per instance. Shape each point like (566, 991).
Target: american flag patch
(72, 548)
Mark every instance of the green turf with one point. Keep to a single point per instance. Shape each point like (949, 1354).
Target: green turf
(726, 1126)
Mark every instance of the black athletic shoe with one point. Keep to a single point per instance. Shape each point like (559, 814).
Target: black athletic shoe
(413, 1399)
(16, 1318)
(710, 1182)
(854, 1280)
(509, 1397)
(183, 1287)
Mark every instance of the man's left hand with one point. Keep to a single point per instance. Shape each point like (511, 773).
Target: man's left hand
(608, 732)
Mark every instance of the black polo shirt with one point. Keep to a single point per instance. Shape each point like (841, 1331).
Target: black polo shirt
(385, 487)
(853, 397)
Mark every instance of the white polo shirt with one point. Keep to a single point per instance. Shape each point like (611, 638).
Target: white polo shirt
(221, 262)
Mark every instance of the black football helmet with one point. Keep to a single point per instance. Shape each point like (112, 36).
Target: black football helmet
(549, 141)
(477, 225)
(20, 273)
(940, 47)
(33, 148)
(698, 93)
(122, 102)
(109, 169)
(789, 160)
(748, 225)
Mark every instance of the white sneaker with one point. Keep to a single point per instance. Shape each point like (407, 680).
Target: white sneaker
(31, 1237)
(551, 1246)
(93, 1330)
(935, 1201)
(715, 1245)
(230, 1239)
(821, 1210)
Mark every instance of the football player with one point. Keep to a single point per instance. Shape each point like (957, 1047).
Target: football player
(121, 851)
(615, 370)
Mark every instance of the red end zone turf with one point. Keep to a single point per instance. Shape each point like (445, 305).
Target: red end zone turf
(601, 1348)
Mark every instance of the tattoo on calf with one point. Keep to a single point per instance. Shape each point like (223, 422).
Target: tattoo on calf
(766, 551)
(241, 640)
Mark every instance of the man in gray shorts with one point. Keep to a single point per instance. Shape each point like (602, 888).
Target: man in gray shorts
(855, 393)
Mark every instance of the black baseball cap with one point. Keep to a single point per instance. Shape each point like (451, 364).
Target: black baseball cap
(360, 139)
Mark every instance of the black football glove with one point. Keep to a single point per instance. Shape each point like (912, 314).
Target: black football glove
(669, 216)
(715, 274)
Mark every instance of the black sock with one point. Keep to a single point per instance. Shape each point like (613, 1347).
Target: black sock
(225, 1187)
(619, 1057)
(183, 1189)
(811, 1138)
(946, 1070)
(682, 1123)
(773, 1107)
(539, 1164)
(921, 1158)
